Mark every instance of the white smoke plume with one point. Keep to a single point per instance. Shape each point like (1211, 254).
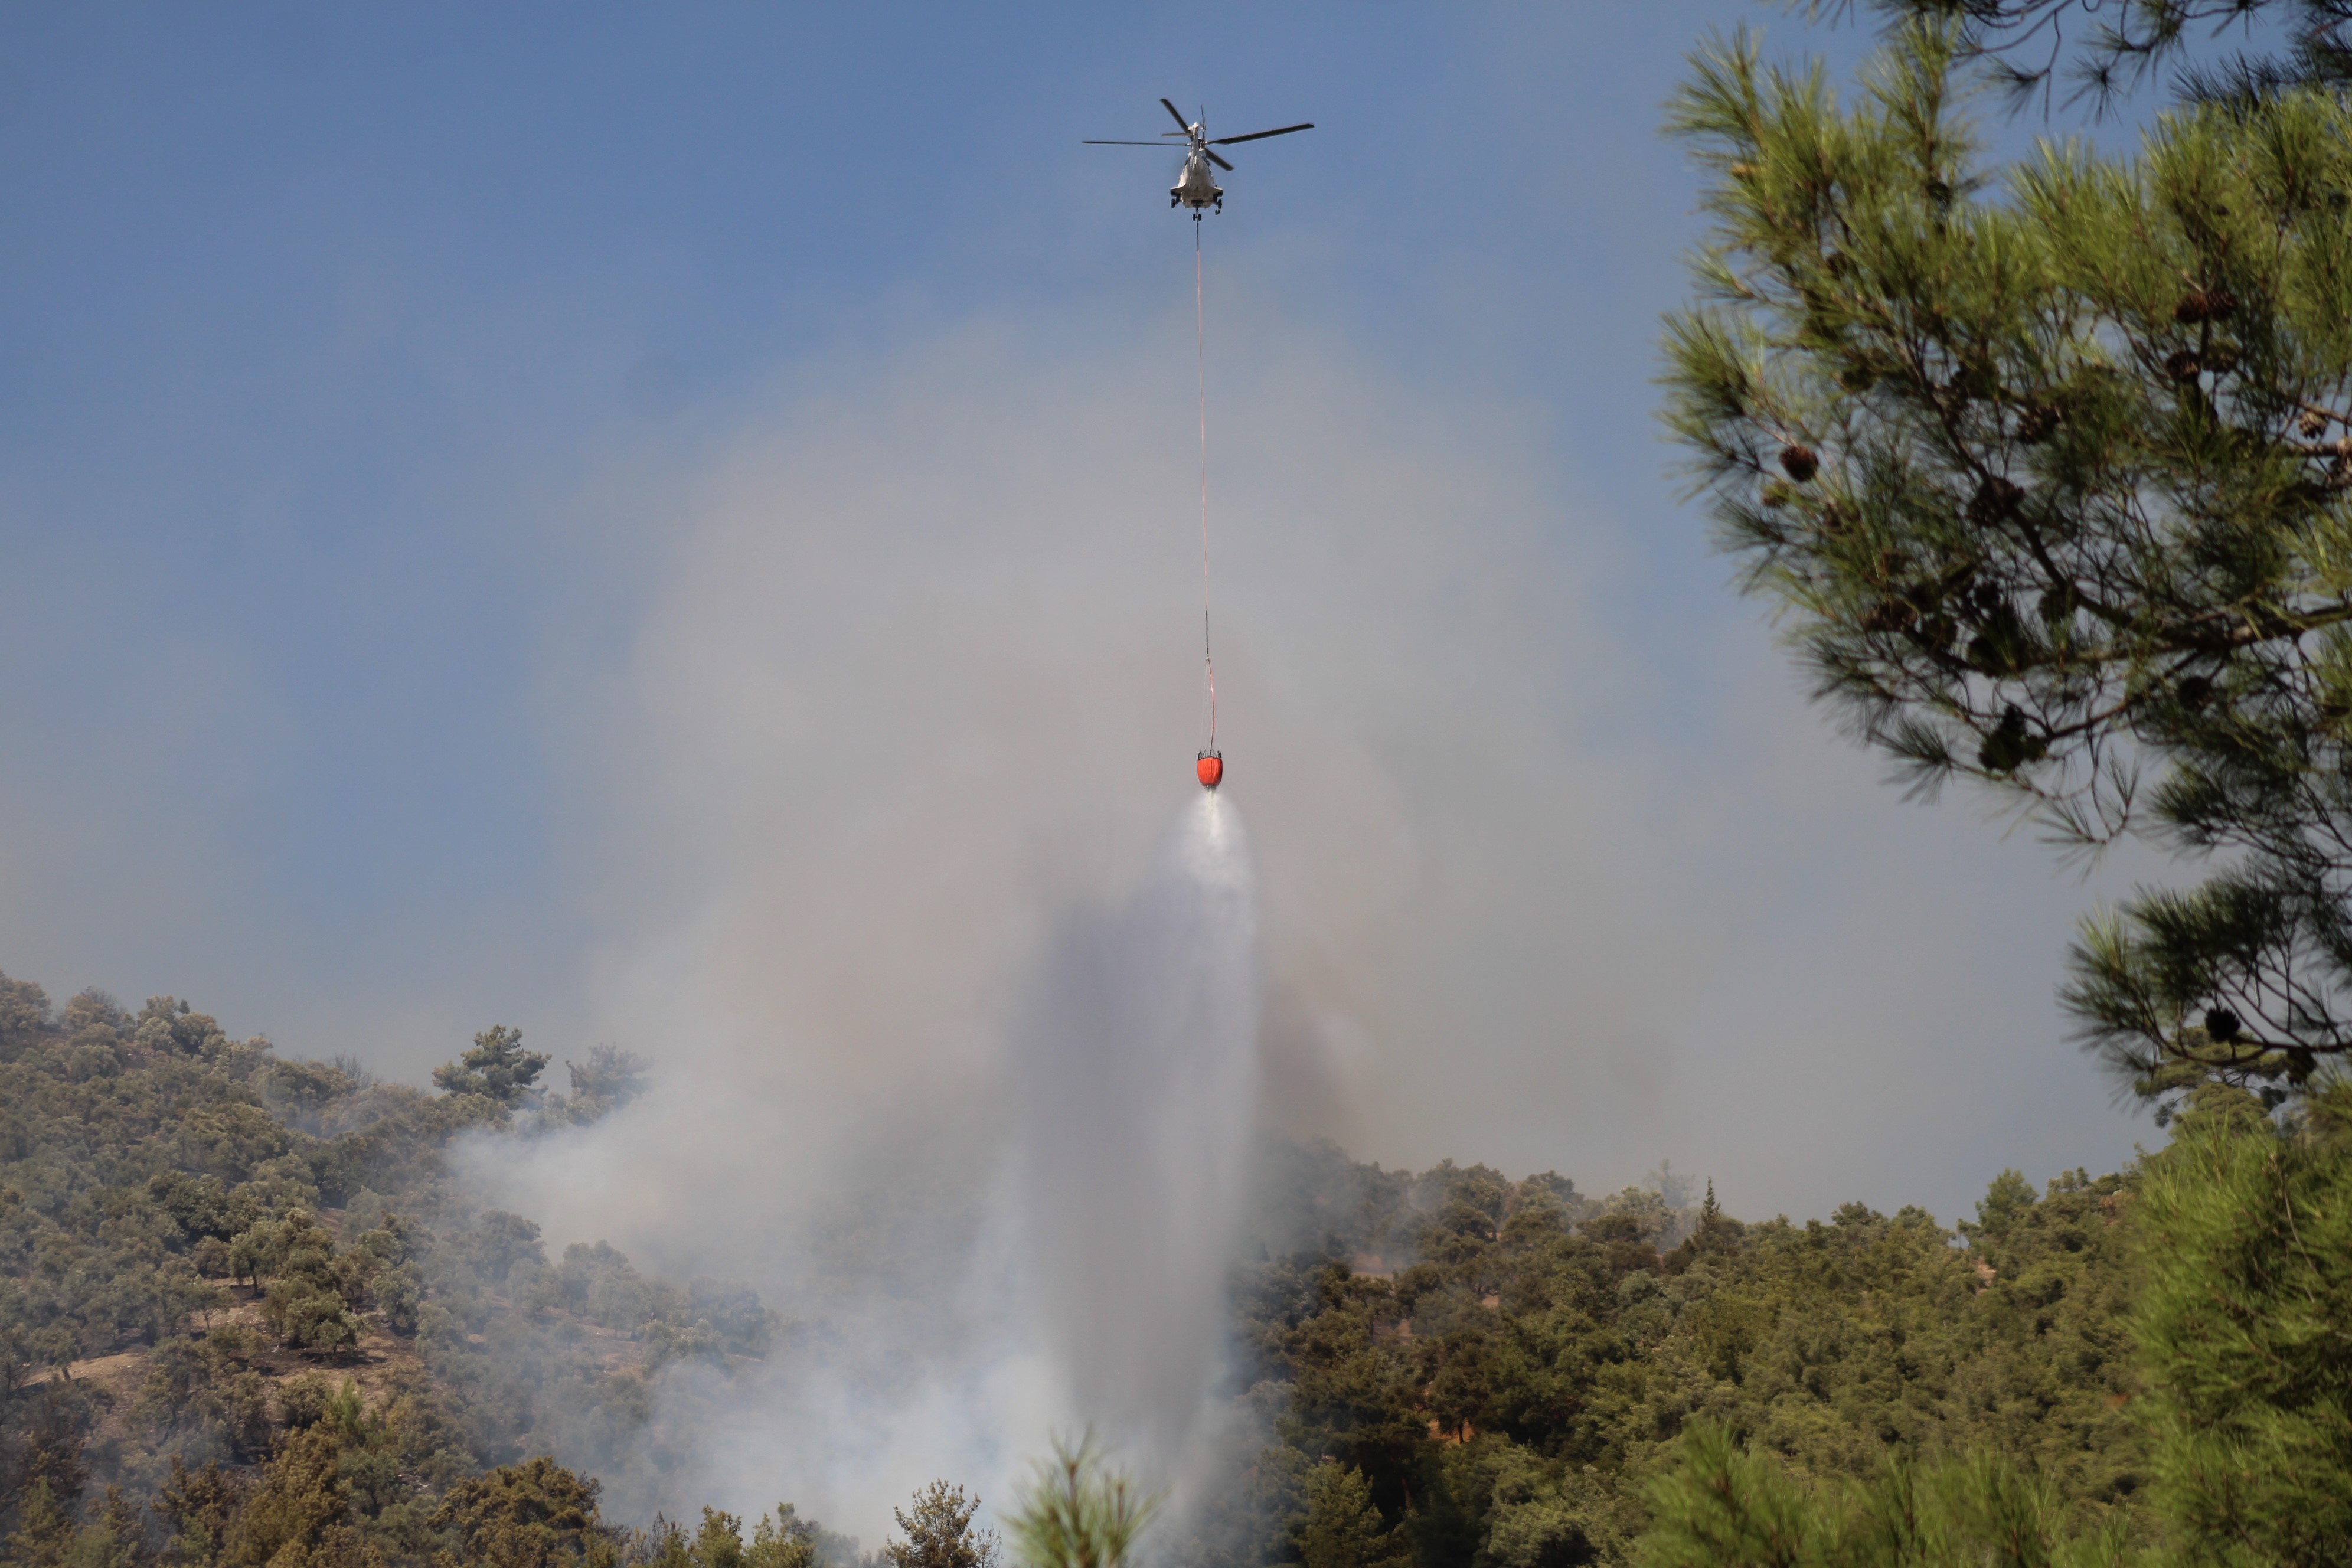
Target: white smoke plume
(872, 784)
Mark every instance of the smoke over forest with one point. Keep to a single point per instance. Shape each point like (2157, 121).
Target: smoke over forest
(1055, 1261)
(877, 781)
(941, 1031)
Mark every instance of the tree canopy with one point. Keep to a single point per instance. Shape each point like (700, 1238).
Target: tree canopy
(2048, 469)
(498, 1067)
(939, 1534)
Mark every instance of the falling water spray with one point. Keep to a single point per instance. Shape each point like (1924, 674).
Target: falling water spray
(1138, 1086)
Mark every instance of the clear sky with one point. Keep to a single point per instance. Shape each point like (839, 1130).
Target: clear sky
(662, 523)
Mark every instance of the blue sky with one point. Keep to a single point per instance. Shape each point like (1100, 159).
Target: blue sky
(373, 380)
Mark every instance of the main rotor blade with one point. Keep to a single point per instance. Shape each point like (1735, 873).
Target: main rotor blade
(1178, 115)
(1162, 145)
(1220, 163)
(1261, 135)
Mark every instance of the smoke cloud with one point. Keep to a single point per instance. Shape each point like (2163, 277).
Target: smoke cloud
(868, 804)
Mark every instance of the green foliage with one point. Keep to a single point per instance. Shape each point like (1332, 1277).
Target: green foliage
(2246, 1321)
(196, 1507)
(781, 1541)
(497, 1068)
(1342, 1528)
(1506, 1398)
(1079, 1513)
(314, 1290)
(2241, 1242)
(1720, 1506)
(300, 1512)
(939, 1534)
(536, 1514)
(204, 1396)
(44, 1531)
(1451, 1370)
(231, 1219)
(2046, 469)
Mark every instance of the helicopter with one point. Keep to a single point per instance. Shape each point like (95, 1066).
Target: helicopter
(1196, 187)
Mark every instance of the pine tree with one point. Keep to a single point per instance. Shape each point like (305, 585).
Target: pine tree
(2245, 1324)
(939, 1532)
(498, 1067)
(1078, 1514)
(1342, 1528)
(2048, 469)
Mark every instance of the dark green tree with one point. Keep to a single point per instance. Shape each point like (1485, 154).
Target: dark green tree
(45, 1530)
(300, 1511)
(312, 1300)
(1342, 1528)
(1721, 1507)
(2245, 1321)
(196, 1507)
(2243, 1235)
(2048, 470)
(498, 1067)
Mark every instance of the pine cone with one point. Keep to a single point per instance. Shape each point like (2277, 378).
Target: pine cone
(1799, 463)
(2038, 424)
(2182, 364)
(1889, 616)
(2312, 425)
(2010, 746)
(2194, 692)
(1996, 500)
(2205, 305)
(2221, 1026)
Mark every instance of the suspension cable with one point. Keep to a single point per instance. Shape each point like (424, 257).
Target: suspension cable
(1200, 365)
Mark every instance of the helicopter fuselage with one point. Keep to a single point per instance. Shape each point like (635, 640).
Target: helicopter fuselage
(1196, 187)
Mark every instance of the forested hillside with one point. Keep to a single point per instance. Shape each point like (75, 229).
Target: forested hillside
(247, 1312)
(244, 1313)
(1506, 1396)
